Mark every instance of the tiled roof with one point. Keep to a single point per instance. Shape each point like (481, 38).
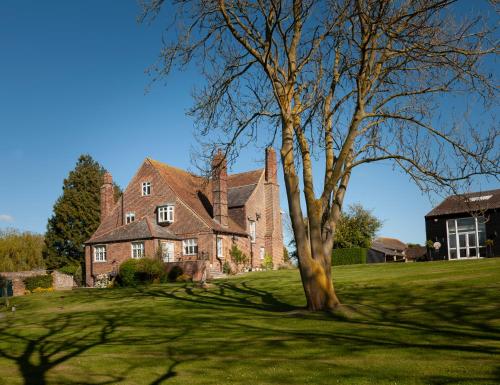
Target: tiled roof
(244, 178)
(196, 193)
(392, 245)
(237, 196)
(140, 229)
(466, 203)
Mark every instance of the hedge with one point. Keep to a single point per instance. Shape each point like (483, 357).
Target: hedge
(43, 281)
(351, 256)
(140, 271)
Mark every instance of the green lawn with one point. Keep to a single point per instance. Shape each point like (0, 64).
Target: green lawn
(423, 323)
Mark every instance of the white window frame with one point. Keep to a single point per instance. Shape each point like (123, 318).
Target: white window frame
(137, 250)
(146, 188)
(190, 246)
(129, 217)
(100, 253)
(165, 245)
(252, 230)
(220, 248)
(457, 247)
(262, 253)
(166, 214)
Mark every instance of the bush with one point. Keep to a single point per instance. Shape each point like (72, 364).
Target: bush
(144, 270)
(42, 281)
(184, 278)
(237, 256)
(128, 270)
(268, 262)
(174, 273)
(226, 268)
(350, 256)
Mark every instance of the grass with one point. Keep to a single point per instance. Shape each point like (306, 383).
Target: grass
(424, 323)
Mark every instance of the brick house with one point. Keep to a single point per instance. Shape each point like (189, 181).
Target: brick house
(169, 212)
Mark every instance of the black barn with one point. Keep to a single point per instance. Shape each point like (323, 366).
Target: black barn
(466, 226)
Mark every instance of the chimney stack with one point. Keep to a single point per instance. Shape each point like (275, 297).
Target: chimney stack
(219, 188)
(107, 196)
(271, 166)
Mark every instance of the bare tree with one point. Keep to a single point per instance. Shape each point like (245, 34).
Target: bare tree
(339, 83)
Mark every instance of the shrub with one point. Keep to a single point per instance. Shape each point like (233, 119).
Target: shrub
(150, 270)
(184, 278)
(43, 290)
(42, 281)
(226, 268)
(174, 273)
(268, 262)
(238, 257)
(350, 256)
(127, 273)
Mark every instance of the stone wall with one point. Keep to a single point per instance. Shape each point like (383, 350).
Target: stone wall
(62, 281)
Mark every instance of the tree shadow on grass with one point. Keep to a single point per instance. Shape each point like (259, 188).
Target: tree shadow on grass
(223, 294)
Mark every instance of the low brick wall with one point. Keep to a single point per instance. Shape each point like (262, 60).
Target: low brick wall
(17, 278)
(196, 269)
(60, 281)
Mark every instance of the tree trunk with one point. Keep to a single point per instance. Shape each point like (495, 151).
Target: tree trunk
(317, 283)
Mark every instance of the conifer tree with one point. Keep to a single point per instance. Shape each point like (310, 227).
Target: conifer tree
(76, 214)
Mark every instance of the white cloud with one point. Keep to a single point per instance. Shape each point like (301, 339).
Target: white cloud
(6, 218)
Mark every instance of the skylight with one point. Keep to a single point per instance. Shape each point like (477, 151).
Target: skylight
(480, 198)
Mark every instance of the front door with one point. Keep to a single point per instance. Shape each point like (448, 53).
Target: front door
(467, 245)
(167, 249)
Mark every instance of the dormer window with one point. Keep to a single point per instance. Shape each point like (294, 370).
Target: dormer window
(166, 214)
(146, 188)
(129, 217)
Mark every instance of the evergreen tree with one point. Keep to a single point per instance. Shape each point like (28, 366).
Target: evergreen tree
(76, 214)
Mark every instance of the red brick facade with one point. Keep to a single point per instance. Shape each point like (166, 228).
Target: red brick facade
(204, 211)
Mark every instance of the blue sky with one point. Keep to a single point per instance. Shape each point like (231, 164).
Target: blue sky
(72, 81)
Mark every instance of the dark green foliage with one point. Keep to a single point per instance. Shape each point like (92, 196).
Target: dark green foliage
(127, 273)
(226, 268)
(356, 228)
(238, 256)
(141, 271)
(74, 270)
(351, 256)
(76, 214)
(43, 281)
(175, 273)
(20, 250)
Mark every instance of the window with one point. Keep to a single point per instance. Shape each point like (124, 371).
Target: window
(129, 218)
(146, 188)
(137, 249)
(219, 247)
(167, 249)
(99, 253)
(252, 231)
(466, 237)
(190, 246)
(166, 214)
(262, 253)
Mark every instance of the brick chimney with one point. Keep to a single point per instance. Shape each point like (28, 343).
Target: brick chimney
(107, 196)
(219, 188)
(271, 166)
